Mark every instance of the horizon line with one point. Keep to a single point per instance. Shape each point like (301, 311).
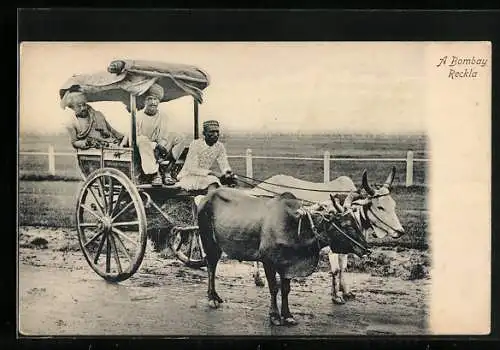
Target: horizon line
(269, 132)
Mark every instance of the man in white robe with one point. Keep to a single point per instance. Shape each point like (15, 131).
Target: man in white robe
(154, 141)
(196, 173)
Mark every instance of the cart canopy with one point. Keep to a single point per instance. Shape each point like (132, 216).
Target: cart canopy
(125, 77)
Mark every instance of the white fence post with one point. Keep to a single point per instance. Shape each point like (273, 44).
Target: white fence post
(326, 167)
(52, 161)
(409, 168)
(249, 165)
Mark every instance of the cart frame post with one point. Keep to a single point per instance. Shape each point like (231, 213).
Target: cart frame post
(133, 134)
(196, 128)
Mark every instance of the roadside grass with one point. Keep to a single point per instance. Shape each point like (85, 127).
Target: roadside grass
(52, 203)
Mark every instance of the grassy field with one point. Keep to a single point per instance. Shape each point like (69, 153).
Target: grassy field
(52, 203)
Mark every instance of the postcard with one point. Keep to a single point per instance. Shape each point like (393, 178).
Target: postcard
(254, 188)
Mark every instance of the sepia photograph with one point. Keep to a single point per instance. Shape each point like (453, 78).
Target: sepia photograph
(254, 188)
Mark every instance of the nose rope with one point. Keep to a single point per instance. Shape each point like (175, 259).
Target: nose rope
(382, 222)
(348, 237)
(303, 211)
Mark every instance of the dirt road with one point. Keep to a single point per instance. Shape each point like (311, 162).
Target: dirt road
(60, 295)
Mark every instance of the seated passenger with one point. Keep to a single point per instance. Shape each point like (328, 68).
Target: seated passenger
(156, 145)
(89, 128)
(196, 173)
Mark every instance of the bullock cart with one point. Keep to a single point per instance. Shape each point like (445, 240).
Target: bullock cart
(115, 211)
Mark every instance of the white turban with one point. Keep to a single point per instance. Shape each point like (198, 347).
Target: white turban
(71, 98)
(155, 90)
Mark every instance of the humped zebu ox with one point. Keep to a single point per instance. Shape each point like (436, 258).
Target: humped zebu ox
(374, 211)
(281, 233)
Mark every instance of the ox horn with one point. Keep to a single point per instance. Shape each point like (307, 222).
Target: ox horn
(348, 200)
(365, 185)
(336, 203)
(390, 178)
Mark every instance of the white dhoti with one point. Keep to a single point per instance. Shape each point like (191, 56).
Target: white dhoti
(147, 151)
(196, 182)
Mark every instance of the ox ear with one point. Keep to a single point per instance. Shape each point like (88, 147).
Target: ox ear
(365, 185)
(390, 178)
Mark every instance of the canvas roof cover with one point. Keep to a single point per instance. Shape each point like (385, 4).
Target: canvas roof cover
(136, 77)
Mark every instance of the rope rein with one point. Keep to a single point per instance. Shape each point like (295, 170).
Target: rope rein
(278, 193)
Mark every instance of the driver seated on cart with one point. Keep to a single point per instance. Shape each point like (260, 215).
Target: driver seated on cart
(89, 128)
(158, 148)
(196, 173)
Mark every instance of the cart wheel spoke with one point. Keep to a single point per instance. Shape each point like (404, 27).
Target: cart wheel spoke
(90, 211)
(99, 249)
(122, 246)
(101, 186)
(123, 235)
(200, 244)
(126, 223)
(122, 211)
(108, 254)
(115, 251)
(93, 238)
(89, 224)
(190, 249)
(118, 199)
(177, 241)
(99, 205)
(111, 193)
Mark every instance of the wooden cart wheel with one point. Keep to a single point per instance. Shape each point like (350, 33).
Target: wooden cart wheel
(186, 244)
(111, 224)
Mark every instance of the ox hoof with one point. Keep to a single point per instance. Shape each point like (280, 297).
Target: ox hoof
(275, 319)
(213, 304)
(349, 296)
(259, 282)
(338, 300)
(289, 321)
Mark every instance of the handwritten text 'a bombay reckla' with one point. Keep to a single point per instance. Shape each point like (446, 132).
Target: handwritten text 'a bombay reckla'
(462, 67)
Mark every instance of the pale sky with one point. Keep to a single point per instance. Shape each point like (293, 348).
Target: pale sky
(306, 86)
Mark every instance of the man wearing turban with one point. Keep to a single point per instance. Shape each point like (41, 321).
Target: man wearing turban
(154, 141)
(196, 173)
(89, 128)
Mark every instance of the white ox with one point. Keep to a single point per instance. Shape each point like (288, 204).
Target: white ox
(375, 213)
